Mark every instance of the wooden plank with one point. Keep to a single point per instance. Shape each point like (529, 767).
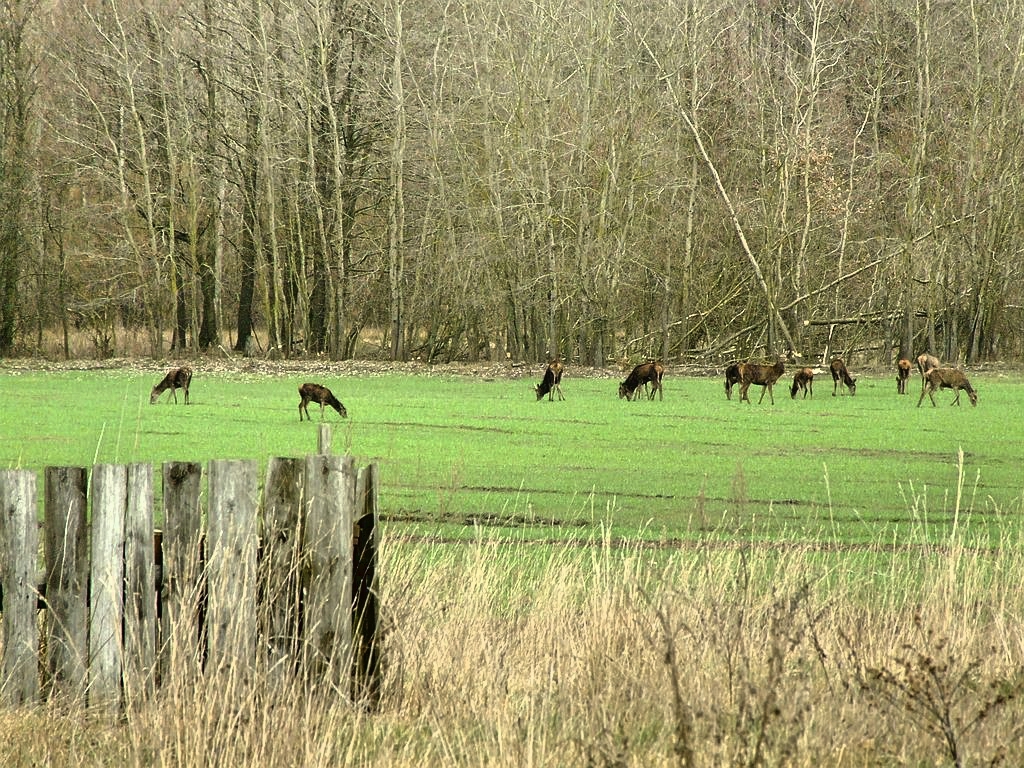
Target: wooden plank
(283, 497)
(231, 568)
(365, 597)
(19, 547)
(140, 587)
(67, 581)
(327, 543)
(106, 588)
(323, 439)
(182, 583)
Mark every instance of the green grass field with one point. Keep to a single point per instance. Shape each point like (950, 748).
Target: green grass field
(566, 583)
(457, 453)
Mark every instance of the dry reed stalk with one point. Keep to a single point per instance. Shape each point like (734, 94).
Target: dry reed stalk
(591, 652)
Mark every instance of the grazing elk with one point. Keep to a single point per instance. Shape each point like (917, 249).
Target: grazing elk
(763, 375)
(803, 380)
(925, 363)
(841, 375)
(319, 394)
(947, 378)
(651, 371)
(902, 374)
(732, 377)
(178, 378)
(552, 382)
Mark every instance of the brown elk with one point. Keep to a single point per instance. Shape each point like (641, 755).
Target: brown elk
(762, 374)
(651, 371)
(925, 363)
(732, 377)
(803, 380)
(178, 378)
(947, 378)
(841, 375)
(552, 381)
(317, 393)
(902, 374)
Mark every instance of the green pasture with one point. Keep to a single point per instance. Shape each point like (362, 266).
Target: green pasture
(458, 454)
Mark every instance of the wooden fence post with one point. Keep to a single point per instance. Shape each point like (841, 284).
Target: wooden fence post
(281, 588)
(67, 580)
(323, 439)
(182, 541)
(330, 492)
(140, 586)
(231, 568)
(106, 588)
(19, 548)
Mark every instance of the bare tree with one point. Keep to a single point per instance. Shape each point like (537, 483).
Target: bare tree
(989, 262)
(396, 208)
(17, 87)
(692, 122)
(521, 178)
(212, 187)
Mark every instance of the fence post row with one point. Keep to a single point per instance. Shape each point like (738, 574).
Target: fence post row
(291, 591)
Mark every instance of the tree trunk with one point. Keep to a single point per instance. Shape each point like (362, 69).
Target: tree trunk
(180, 340)
(396, 210)
(208, 328)
(249, 246)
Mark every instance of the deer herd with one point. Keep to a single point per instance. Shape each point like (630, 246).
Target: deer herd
(765, 375)
(934, 376)
(646, 378)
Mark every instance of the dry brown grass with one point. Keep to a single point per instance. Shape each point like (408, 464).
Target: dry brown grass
(597, 655)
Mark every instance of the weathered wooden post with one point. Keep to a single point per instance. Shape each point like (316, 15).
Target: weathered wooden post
(231, 568)
(330, 496)
(139, 672)
(19, 547)
(283, 499)
(106, 587)
(181, 545)
(323, 439)
(67, 581)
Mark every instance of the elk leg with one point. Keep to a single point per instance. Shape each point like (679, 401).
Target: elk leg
(764, 388)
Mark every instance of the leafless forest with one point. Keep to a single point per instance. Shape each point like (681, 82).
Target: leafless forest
(471, 179)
